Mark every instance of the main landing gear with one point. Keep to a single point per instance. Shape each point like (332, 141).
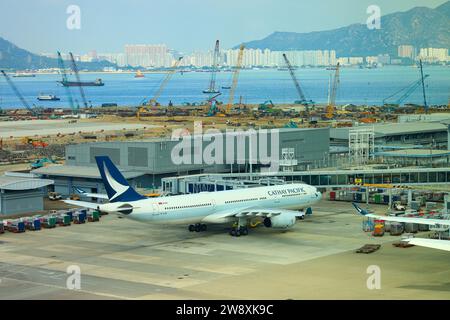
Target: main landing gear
(198, 227)
(239, 228)
(238, 231)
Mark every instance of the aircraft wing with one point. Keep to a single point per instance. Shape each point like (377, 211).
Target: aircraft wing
(90, 195)
(94, 195)
(431, 222)
(84, 204)
(430, 243)
(250, 212)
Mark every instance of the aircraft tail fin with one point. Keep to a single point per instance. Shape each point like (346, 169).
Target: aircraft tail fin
(117, 187)
(360, 210)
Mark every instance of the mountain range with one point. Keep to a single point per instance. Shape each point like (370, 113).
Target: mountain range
(13, 57)
(421, 27)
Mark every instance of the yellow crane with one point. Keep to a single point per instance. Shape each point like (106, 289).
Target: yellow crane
(153, 101)
(332, 98)
(235, 79)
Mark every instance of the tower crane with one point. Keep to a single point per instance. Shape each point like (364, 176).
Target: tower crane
(212, 83)
(153, 101)
(425, 105)
(235, 79)
(18, 94)
(302, 100)
(332, 99)
(75, 70)
(62, 69)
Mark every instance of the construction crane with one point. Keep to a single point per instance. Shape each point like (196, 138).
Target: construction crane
(425, 105)
(153, 101)
(212, 83)
(18, 94)
(62, 69)
(406, 91)
(75, 70)
(235, 79)
(332, 97)
(302, 100)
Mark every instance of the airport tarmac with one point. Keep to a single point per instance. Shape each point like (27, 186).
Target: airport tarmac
(52, 127)
(123, 259)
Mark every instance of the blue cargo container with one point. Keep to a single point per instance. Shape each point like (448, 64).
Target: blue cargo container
(308, 210)
(386, 198)
(395, 198)
(70, 214)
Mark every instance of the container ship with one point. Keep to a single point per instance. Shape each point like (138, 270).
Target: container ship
(48, 97)
(96, 83)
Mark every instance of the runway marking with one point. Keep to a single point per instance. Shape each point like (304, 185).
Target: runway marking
(64, 288)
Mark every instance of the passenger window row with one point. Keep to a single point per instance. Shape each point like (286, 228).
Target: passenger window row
(241, 200)
(190, 206)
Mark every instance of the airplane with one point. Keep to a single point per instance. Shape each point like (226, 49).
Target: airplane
(275, 205)
(429, 243)
(90, 195)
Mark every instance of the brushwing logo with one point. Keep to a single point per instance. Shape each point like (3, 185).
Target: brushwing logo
(116, 186)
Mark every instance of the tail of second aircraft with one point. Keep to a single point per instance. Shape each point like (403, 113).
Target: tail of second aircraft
(116, 185)
(360, 210)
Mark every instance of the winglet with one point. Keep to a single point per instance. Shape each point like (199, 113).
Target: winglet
(116, 185)
(360, 210)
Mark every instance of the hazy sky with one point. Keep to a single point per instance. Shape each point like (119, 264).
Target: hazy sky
(185, 25)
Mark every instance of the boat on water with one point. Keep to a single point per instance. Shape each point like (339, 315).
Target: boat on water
(226, 87)
(24, 75)
(139, 74)
(96, 83)
(48, 97)
(210, 91)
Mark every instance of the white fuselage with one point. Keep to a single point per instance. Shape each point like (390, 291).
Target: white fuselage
(193, 208)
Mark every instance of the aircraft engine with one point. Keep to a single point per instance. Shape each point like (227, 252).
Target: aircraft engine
(282, 221)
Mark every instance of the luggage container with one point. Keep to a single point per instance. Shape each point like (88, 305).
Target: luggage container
(48, 221)
(33, 223)
(63, 220)
(385, 198)
(79, 217)
(415, 205)
(396, 229)
(93, 216)
(2, 228)
(387, 226)
(411, 227)
(332, 195)
(367, 225)
(15, 226)
(378, 230)
(377, 198)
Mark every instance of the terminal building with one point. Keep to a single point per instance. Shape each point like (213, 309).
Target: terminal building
(145, 163)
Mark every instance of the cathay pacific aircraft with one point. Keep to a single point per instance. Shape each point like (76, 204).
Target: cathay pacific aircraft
(276, 206)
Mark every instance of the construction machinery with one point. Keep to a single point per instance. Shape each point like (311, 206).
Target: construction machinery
(332, 94)
(77, 75)
(303, 100)
(62, 70)
(212, 102)
(19, 95)
(266, 105)
(235, 79)
(212, 83)
(153, 101)
(39, 163)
